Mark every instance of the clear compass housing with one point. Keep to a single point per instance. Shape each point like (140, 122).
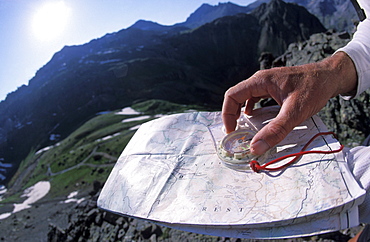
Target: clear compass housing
(234, 148)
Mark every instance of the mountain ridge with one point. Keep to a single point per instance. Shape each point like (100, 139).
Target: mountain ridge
(334, 14)
(207, 13)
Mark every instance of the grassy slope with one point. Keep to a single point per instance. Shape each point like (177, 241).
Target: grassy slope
(87, 154)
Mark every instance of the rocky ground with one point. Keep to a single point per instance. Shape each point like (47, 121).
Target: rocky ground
(349, 119)
(59, 221)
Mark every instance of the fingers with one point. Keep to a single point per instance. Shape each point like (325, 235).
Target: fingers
(301, 91)
(268, 137)
(236, 96)
(249, 105)
(276, 130)
(230, 110)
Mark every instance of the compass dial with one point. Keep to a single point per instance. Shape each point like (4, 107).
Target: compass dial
(235, 147)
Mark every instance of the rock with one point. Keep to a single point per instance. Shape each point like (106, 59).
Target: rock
(344, 35)
(89, 223)
(96, 187)
(266, 59)
(152, 229)
(316, 48)
(348, 119)
(56, 234)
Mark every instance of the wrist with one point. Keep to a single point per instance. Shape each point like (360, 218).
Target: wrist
(343, 73)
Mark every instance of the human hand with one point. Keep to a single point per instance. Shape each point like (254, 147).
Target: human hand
(301, 91)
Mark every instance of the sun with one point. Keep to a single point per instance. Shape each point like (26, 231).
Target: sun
(50, 20)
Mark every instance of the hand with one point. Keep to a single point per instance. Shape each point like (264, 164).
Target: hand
(301, 91)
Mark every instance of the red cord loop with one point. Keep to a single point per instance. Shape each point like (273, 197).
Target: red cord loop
(256, 167)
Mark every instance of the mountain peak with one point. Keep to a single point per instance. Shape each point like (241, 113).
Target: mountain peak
(286, 21)
(147, 25)
(207, 13)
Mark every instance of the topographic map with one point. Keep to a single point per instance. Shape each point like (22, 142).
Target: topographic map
(170, 173)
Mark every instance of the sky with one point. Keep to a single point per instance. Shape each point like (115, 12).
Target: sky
(32, 31)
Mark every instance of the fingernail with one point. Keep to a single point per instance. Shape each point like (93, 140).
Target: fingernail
(259, 147)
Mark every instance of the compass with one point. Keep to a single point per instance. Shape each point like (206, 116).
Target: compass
(234, 148)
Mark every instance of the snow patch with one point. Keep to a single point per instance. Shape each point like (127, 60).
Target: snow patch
(4, 215)
(46, 148)
(108, 137)
(140, 118)
(135, 119)
(33, 194)
(71, 198)
(135, 127)
(128, 111)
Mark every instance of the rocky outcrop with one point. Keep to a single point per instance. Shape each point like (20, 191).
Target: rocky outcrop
(336, 14)
(350, 120)
(282, 23)
(315, 48)
(88, 223)
(333, 14)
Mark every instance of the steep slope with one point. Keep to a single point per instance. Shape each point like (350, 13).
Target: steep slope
(333, 14)
(282, 24)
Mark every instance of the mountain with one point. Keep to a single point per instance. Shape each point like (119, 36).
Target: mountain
(143, 62)
(333, 14)
(207, 13)
(149, 25)
(288, 23)
(153, 26)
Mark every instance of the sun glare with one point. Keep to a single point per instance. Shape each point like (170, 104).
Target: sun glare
(50, 20)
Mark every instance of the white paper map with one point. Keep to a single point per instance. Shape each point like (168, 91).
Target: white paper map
(170, 173)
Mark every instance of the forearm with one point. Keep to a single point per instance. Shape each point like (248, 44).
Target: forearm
(343, 73)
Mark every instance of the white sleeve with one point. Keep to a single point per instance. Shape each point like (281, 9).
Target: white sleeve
(358, 49)
(365, 4)
(358, 162)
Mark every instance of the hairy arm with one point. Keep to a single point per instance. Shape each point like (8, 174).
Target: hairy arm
(301, 91)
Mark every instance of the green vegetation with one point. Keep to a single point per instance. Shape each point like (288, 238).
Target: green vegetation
(152, 107)
(88, 154)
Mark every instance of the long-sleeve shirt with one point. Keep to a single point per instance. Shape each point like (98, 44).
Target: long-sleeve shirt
(358, 158)
(358, 49)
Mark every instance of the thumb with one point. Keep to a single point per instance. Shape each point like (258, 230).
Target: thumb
(272, 133)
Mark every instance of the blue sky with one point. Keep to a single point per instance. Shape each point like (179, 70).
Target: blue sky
(24, 47)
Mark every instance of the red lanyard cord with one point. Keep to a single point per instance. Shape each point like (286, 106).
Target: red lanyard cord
(256, 167)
